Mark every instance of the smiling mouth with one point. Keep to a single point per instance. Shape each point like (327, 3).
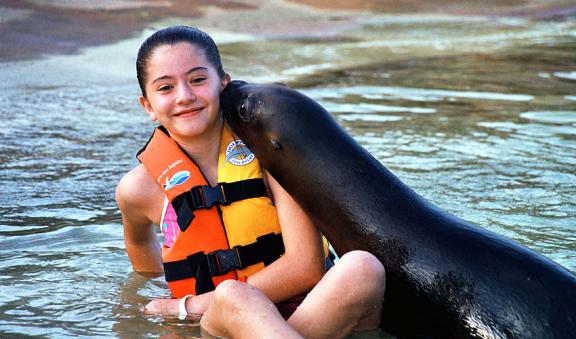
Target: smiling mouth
(188, 112)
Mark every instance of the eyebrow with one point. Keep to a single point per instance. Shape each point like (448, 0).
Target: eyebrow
(191, 70)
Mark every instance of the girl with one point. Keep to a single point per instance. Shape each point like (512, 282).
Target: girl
(227, 248)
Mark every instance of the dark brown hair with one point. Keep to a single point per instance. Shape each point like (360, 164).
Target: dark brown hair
(173, 35)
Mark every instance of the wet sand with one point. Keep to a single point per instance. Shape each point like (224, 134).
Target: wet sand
(36, 28)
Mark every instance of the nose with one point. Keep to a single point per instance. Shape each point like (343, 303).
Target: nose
(185, 94)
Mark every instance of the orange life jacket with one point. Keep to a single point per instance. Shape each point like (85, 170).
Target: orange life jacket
(228, 231)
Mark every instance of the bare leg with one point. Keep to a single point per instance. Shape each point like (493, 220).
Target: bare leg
(349, 297)
(239, 310)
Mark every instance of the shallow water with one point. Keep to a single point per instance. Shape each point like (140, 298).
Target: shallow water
(477, 115)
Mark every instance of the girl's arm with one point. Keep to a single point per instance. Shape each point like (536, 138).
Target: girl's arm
(296, 272)
(303, 263)
(135, 197)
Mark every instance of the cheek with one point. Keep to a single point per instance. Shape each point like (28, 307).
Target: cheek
(214, 93)
(161, 103)
(212, 96)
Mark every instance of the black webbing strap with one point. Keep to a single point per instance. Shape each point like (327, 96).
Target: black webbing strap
(223, 194)
(266, 249)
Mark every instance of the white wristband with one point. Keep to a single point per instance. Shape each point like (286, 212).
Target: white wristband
(182, 313)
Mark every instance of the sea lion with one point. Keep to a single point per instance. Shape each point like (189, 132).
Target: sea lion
(446, 278)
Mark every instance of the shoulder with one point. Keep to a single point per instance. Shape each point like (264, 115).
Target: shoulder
(133, 182)
(137, 191)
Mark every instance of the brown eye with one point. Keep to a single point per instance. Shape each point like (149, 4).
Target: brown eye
(197, 80)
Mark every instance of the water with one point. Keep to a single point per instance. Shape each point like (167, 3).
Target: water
(477, 115)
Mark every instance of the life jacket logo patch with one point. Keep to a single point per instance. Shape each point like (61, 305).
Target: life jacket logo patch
(238, 154)
(177, 179)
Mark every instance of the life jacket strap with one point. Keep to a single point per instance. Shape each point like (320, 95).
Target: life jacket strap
(202, 267)
(205, 196)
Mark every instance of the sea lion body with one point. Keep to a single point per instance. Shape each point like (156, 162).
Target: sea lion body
(445, 277)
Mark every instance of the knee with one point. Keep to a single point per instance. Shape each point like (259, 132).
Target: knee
(229, 294)
(234, 296)
(362, 262)
(361, 265)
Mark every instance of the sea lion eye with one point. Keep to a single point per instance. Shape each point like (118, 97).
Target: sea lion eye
(246, 109)
(276, 144)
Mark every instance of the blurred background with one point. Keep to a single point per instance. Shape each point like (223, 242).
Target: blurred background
(472, 104)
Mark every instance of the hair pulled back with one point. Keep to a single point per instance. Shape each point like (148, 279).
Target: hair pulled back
(173, 35)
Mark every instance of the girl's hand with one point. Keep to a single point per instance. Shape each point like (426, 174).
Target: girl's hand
(196, 305)
(162, 307)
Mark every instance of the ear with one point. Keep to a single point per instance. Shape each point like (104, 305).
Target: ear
(146, 105)
(225, 80)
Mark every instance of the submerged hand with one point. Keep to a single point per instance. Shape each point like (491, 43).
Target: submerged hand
(162, 307)
(194, 306)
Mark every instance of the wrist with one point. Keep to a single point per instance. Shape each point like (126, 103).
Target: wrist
(183, 306)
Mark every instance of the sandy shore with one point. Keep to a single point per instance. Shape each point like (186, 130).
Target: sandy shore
(35, 28)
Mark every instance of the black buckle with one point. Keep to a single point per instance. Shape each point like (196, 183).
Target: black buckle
(206, 196)
(223, 261)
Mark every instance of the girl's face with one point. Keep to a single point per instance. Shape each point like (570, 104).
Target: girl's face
(183, 90)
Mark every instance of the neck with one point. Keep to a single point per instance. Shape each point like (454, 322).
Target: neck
(204, 151)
